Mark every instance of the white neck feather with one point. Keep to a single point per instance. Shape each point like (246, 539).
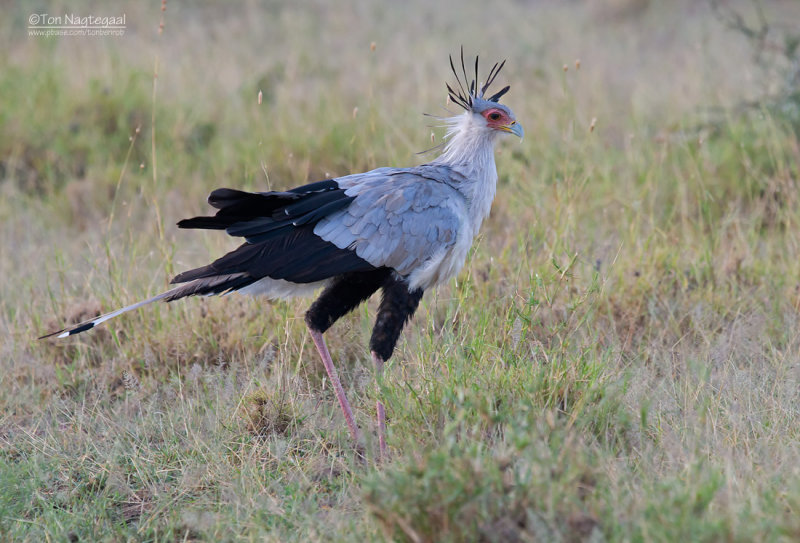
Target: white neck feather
(469, 142)
(470, 153)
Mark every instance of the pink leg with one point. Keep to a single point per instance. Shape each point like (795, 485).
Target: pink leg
(381, 411)
(319, 341)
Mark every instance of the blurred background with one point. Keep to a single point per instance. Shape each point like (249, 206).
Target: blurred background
(642, 62)
(344, 87)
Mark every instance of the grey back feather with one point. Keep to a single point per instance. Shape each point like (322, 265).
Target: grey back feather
(400, 218)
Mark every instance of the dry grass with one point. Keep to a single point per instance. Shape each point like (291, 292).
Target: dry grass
(620, 359)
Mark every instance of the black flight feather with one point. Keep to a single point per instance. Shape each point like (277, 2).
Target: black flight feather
(236, 206)
(313, 202)
(299, 256)
(280, 242)
(316, 186)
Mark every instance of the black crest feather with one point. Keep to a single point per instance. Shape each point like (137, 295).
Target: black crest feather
(468, 90)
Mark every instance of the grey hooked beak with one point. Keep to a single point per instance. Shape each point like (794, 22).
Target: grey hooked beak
(516, 128)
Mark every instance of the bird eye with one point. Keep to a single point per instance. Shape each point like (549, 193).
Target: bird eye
(494, 116)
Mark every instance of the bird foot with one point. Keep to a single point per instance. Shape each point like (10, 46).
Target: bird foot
(333, 375)
(380, 409)
(325, 355)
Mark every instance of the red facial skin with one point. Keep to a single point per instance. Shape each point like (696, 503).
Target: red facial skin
(497, 119)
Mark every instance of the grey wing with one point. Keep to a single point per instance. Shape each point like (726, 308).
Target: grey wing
(398, 219)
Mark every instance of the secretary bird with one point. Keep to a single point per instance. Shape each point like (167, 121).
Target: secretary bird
(401, 230)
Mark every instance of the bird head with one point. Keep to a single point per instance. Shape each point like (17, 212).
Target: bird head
(489, 112)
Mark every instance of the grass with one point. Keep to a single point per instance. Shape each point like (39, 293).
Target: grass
(618, 361)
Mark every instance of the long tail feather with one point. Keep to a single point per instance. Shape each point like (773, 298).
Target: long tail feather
(206, 286)
(88, 325)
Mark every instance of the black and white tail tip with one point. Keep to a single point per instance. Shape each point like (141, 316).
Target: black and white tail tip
(88, 325)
